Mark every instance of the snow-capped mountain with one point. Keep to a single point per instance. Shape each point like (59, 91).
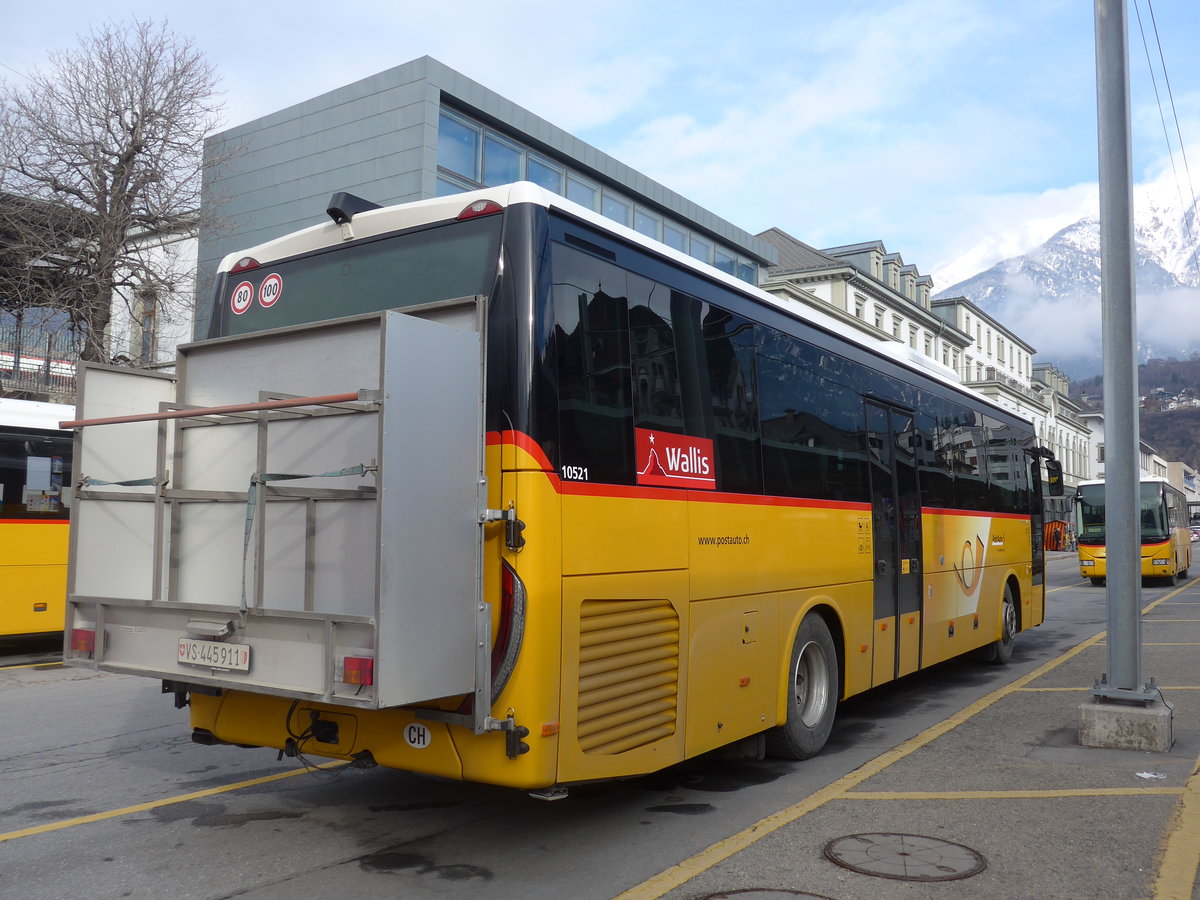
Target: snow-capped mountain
(1050, 297)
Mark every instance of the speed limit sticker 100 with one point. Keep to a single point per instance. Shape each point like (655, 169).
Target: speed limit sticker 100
(270, 290)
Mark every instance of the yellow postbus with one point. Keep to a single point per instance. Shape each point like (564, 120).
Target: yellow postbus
(707, 515)
(1165, 536)
(35, 465)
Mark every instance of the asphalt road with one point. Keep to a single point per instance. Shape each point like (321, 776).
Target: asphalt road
(106, 796)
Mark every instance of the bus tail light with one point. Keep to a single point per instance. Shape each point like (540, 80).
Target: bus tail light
(358, 670)
(245, 264)
(510, 631)
(480, 208)
(510, 628)
(83, 640)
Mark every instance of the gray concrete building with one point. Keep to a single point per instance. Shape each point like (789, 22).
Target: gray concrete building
(422, 130)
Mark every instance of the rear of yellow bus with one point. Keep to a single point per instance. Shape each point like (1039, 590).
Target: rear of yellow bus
(33, 530)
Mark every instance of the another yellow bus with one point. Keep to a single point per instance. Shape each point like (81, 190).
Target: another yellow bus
(707, 514)
(1165, 535)
(35, 465)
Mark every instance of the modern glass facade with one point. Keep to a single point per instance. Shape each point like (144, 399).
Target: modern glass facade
(472, 155)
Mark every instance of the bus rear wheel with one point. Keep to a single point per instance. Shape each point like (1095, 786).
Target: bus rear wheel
(1000, 651)
(813, 689)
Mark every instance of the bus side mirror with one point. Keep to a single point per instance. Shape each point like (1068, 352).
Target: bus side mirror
(1054, 477)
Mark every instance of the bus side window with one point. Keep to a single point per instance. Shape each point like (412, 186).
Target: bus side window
(592, 348)
(933, 458)
(811, 424)
(969, 439)
(730, 344)
(657, 392)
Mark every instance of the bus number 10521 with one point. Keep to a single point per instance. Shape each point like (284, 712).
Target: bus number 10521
(574, 473)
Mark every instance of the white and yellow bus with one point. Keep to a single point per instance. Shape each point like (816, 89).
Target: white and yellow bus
(710, 514)
(1163, 519)
(35, 465)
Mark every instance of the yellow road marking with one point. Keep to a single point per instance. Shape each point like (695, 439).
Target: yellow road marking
(155, 804)
(1164, 688)
(45, 665)
(1051, 690)
(1181, 857)
(1009, 795)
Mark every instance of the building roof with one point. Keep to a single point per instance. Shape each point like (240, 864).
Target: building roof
(794, 254)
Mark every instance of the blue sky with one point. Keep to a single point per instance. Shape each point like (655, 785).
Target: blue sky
(958, 132)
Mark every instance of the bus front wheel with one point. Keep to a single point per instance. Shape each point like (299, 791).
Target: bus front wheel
(813, 689)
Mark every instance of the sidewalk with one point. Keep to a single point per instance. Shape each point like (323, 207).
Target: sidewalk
(1015, 794)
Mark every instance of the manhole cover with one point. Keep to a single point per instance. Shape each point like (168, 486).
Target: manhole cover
(761, 894)
(907, 857)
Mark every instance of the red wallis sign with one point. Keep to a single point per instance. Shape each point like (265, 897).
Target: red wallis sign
(675, 460)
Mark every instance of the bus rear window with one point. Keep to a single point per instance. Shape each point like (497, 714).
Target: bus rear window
(454, 259)
(35, 468)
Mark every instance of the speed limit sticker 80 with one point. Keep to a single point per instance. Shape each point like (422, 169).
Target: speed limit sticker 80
(243, 296)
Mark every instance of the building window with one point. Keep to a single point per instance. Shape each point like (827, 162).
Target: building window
(647, 223)
(895, 326)
(501, 161)
(859, 307)
(879, 317)
(583, 193)
(616, 209)
(912, 336)
(724, 262)
(544, 174)
(458, 147)
(676, 238)
(700, 249)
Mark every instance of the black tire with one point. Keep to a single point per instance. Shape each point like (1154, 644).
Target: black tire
(813, 691)
(1000, 651)
(1097, 582)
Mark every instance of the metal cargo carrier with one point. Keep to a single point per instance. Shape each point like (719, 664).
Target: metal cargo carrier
(298, 512)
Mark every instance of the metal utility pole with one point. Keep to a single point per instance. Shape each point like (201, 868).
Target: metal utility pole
(1118, 310)
(1124, 712)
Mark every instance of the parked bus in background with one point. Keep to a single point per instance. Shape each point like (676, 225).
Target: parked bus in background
(707, 515)
(1165, 536)
(35, 466)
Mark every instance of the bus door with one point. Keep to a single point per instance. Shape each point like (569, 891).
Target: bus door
(896, 527)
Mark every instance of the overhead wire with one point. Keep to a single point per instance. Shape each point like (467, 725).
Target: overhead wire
(1188, 204)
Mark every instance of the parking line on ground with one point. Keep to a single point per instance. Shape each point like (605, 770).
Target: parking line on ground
(155, 804)
(1013, 795)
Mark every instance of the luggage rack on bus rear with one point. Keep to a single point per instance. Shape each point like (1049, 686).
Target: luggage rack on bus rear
(246, 534)
(270, 406)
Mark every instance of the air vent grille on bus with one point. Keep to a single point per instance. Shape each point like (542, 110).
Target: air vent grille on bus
(628, 674)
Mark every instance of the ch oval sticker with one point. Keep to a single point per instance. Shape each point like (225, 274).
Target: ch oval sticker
(417, 736)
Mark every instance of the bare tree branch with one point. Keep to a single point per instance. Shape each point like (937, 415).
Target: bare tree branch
(101, 163)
